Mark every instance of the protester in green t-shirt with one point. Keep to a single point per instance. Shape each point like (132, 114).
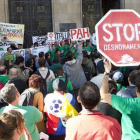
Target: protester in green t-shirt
(90, 48)
(118, 79)
(56, 63)
(59, 73)
(84, 46)
(53, 52)
(73, 49)
(31, 114)
(128, 107)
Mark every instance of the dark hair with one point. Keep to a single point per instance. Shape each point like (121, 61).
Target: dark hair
(61, 42)
(9, 122)
(41, 54)
(34, 56)
(19, 59)
(69, 56)
(29, 62)
(112, 87)
(56, 59)
(85, 54)
(133, 75)
(35, 44)
(97, 55)
(100, 69)
(43, 42)
(56, 51)
(42, 62)
(59, 71)
(47, 55)
(89, 95)
(8, 48)
(35, 81)
(8, 93)
(2, 69)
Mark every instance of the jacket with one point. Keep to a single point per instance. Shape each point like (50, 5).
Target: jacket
(21, 75)
(74, 71)
(89, 63)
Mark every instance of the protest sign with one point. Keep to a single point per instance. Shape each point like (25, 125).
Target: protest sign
(61, 36)
(51, 37)
(79, 34)
(40, 39)
(11, 33)
(118, 37)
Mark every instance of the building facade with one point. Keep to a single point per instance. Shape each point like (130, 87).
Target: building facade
(42, 16)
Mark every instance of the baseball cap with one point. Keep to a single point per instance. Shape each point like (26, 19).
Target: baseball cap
(59, 85)
(118, 76)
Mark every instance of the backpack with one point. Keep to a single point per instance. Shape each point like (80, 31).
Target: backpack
(27, 97)
(44, 88)
(86, 71)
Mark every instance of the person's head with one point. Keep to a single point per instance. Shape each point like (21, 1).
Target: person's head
(85, 54)
(97, 55)
(100, 70)
(41, 55)
(20, 46)
(59, 85)
(11, 125)
(118, 77)
(57, 52)
(3, 70)
(19, 61)
(42, 62)
(43, 43)
(137, 84)
(89, 95)
(56, 59)
(62, 43)
(47, 55)
(69, 56)
(84, 44)
(53, 47)
(17, 54)
(36, 44)
(35, 81)
(13, 72)
(59, 72)
(28, 51)
(9, 49)
(90, 44)
(56, 43)
(29, 63)
(13, 46)
(112, 87)
(132, 77)
(35, 57)
(10, 93)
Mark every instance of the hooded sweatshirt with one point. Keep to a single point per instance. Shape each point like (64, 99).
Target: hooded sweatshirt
(74, 71)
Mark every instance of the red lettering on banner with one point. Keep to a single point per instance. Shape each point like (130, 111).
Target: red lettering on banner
(73, 32)
(85, 32)
(79, 33)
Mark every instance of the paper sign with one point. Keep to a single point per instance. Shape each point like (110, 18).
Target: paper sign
(51, 37)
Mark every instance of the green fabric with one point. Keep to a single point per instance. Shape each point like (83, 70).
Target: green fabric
(130, 109)
(75, 52)
(9, 56)
(54, 67)
(90, 49)
(4, 79)
(32, 116)
(52, 55)
(1, 49)
(69, 85)
(66, 49)
(122, 69)
(119, 86)
(84, 48)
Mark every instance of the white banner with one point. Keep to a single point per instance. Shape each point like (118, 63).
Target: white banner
(61, 36)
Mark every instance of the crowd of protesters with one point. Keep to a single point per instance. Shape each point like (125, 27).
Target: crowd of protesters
(33, 91)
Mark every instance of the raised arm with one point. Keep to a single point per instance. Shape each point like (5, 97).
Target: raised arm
(104, 86)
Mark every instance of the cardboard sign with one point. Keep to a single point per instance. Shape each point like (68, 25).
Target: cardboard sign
(51, 37)
(118, 37)
(11, 33)
(79, 34)
(40, 39)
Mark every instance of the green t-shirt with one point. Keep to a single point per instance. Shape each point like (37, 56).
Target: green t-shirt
(130, 122)
(52, 55)
(9, 56)
(122, 69)
(69, 85)
(54, 67)
(75, 52)
(31, 115)
(90, 49)
(66, 48)
(119, 86)
(84, 48)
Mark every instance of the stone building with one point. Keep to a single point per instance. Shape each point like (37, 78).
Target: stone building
(42, 16)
